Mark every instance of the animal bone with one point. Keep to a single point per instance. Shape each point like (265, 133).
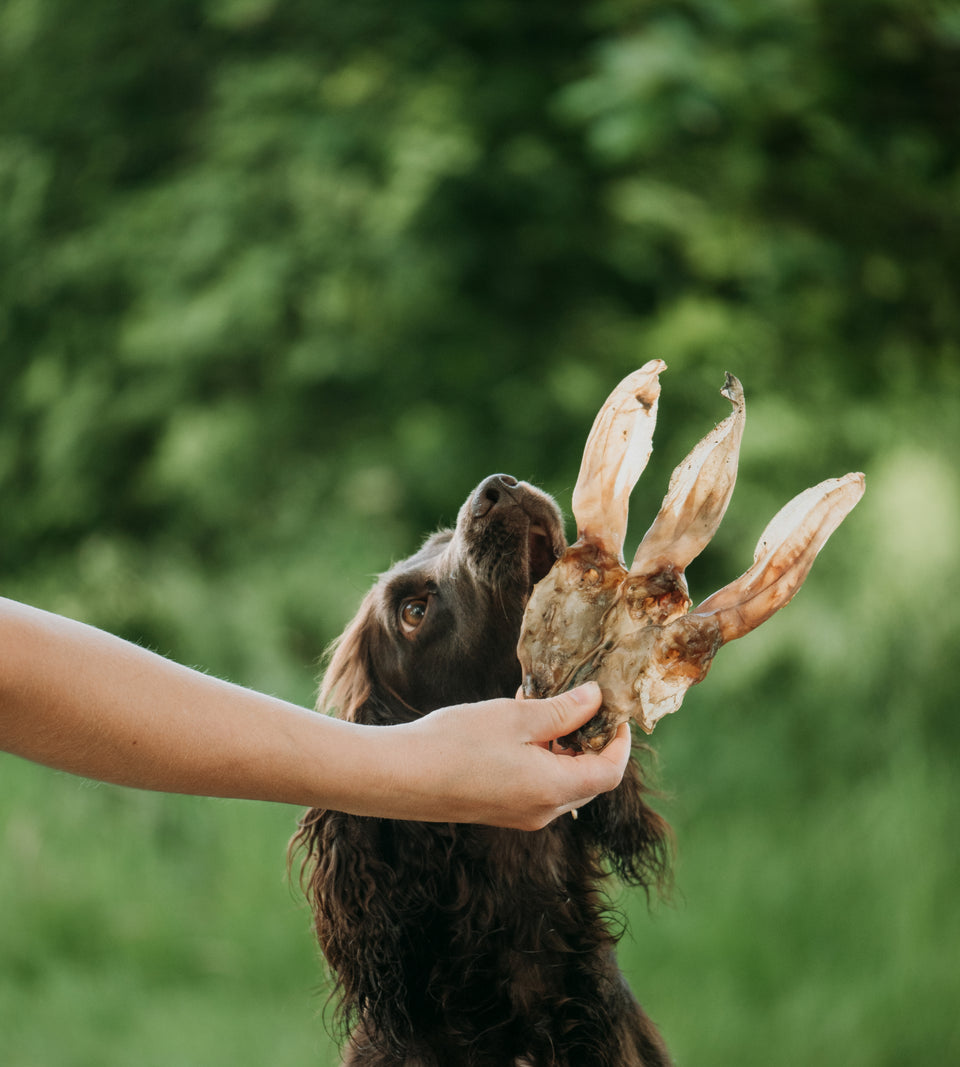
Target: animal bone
(633, 630)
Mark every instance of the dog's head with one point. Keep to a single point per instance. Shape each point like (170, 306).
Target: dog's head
(441, 627)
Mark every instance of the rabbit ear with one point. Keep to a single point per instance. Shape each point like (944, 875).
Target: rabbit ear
(784, 556)
(616, 452)
(683, 650)
(699, 492)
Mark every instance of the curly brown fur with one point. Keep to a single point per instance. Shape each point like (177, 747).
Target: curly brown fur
(468, 946)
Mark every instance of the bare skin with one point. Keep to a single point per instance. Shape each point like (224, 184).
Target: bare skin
(80, 700)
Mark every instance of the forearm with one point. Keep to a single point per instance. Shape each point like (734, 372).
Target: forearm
(76, 698)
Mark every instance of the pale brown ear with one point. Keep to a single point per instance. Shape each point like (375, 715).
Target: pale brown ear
(784, 556)
(699, 492)
(616, 452)
(684, 649)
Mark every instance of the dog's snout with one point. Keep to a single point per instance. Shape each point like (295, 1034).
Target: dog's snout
(491, 492)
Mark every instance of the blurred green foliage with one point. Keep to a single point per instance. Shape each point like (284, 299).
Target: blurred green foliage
(281, 281)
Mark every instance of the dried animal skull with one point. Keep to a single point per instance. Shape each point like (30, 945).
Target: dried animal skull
(633, 630)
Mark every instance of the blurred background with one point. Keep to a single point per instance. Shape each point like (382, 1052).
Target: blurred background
(281, 281)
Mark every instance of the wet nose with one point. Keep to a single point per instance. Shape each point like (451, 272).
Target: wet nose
(491, 492)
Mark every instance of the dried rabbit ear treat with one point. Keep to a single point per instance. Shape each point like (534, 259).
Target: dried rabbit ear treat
(564, 616)
(633, 630)
(654, 592)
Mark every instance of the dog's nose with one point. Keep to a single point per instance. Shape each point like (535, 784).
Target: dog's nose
(491, 492)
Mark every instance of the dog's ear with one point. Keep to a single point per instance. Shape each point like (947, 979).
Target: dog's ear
(349, 878)
(359, 662)
(346, 681)
(636, 841)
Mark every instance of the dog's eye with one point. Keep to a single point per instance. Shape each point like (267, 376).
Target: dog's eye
(590, 576)
(412, 613)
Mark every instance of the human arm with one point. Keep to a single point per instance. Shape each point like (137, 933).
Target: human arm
(81, 700)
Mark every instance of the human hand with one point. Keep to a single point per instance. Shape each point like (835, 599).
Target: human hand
(78, 699)
(491, 762)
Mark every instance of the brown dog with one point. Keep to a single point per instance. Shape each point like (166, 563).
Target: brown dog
(468, 946)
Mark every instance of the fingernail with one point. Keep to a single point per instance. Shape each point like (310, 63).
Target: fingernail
(586, 693)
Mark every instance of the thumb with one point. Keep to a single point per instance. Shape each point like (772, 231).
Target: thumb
(562, 714)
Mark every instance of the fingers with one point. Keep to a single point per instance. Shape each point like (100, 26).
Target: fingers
(617, 751)
(558, 716)
(582, 776)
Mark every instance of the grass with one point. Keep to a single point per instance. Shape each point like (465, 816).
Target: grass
(136, 927)
(808, 926)
(824, 933)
